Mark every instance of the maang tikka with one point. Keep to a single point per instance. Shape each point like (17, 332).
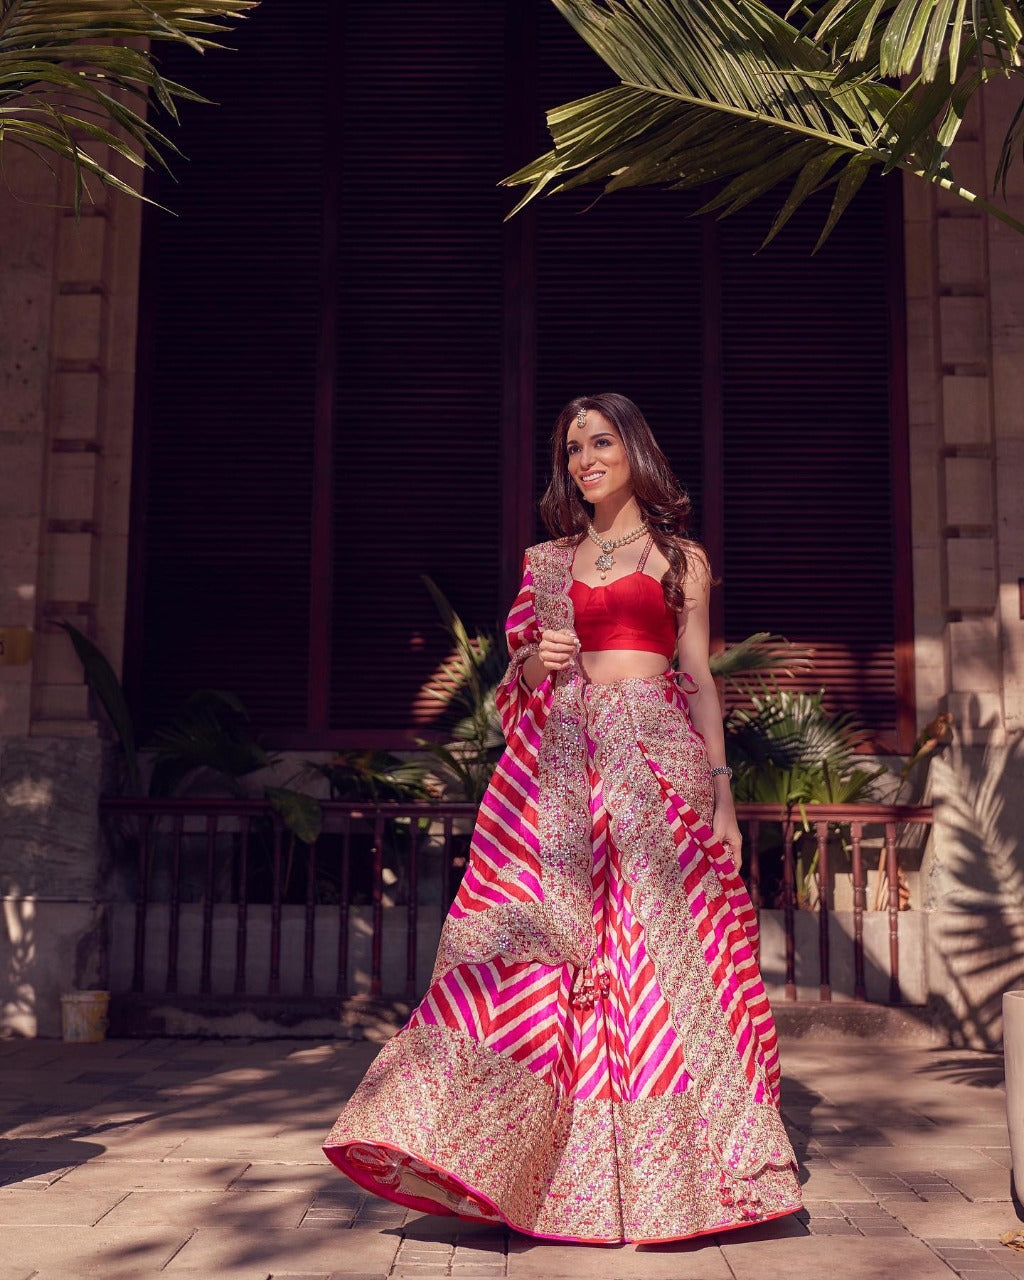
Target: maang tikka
(581, 417)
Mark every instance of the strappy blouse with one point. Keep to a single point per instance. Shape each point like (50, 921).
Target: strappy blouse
(629, 613)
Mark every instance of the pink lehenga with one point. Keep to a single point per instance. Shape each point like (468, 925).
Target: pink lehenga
(596, 1058)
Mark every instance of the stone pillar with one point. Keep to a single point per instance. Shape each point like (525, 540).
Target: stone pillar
(965, 279)
(68, 310)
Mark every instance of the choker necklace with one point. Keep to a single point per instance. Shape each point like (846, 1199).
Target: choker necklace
(605, 560)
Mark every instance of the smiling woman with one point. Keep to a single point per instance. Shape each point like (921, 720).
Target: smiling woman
(572, 1070)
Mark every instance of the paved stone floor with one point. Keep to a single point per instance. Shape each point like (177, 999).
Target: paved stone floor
(201, 1158)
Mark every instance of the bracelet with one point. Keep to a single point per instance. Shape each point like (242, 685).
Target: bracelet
(721, 769)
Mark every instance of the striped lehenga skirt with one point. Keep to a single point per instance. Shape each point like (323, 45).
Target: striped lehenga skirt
(595, 1058)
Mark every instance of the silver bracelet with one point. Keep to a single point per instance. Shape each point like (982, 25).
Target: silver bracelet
(720, 769)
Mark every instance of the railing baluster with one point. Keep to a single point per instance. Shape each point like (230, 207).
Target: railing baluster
(211, 839)
(412, 910)
(859, 903)
(142, 904)
(242, 920)
(309, 931)
(824, 967)
(377, 941)
(893, 874)
(174, 908)
(446, 864)
(343, 903)
(274, 981)
(146, 815)
(788, 902)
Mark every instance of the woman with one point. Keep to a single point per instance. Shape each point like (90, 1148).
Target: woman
(595, 1059)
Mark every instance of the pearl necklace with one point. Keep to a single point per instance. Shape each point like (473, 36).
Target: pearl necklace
(605, 560)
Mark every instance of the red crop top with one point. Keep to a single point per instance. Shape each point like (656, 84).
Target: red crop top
(629, 613)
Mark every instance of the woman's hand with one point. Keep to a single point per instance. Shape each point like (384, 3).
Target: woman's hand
(725, 826)
(557, 649)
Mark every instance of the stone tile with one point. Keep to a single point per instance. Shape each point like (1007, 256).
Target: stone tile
(227, 1145)
(977, 1135)
(74, 1252)
(430, 1227)
(55, 1207)
(898, 1160)
(154, 1175)
(857, 1258)
(931, 1219)
(319, 1176)
(243, 1210)
(212, 1249)
(1000, 1155)
(110, 1078)
(690, 1260)
(334, 1275)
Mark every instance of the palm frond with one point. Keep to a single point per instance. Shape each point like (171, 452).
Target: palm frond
(208, 733)
(726, 94)
(102, 680)
(77, 78)
(911, 37)
(302, 814)
(761, 651)
(788, 749)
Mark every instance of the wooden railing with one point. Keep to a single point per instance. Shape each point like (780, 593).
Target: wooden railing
(198, 869)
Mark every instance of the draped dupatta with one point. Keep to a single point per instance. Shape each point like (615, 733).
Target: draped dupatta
(595, 1057)
(527, 892)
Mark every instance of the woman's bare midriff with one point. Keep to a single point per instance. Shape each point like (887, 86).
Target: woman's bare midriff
(603, 666)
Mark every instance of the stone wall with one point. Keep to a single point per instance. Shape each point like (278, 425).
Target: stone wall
(68, 308)
(965, 310)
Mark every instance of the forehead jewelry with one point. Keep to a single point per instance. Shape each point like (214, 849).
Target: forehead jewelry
(581, 417)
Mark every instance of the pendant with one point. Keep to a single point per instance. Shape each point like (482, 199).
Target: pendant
(604, 562)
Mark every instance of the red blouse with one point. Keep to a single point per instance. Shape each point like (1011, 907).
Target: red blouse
(629, 613)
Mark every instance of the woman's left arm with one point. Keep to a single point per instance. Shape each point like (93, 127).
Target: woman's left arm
(693, 648)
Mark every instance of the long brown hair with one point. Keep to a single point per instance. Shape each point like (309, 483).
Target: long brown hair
(663, 502)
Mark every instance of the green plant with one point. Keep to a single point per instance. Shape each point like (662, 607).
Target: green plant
(786, 748)
(762, 651)
(78, 79)
(727, 95)
(466, 683)
(102, 680)
(210, 735)
(370, 775)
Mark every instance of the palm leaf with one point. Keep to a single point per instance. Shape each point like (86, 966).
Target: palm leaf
(102, 680)
(209, 732)
(71, 84)
(907, 37)
(302, 814)
(760, 652)
(953, 44)
(724, 93)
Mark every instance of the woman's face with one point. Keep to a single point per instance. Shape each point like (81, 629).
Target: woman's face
(597, 459)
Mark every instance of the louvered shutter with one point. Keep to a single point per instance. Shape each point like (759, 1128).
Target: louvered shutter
(411, 102)
(618, 288)
(811, 545)
(230, 300)
(417, 427)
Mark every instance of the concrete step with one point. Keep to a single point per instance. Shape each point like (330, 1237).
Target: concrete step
(849, 1020)
(327, 1018)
